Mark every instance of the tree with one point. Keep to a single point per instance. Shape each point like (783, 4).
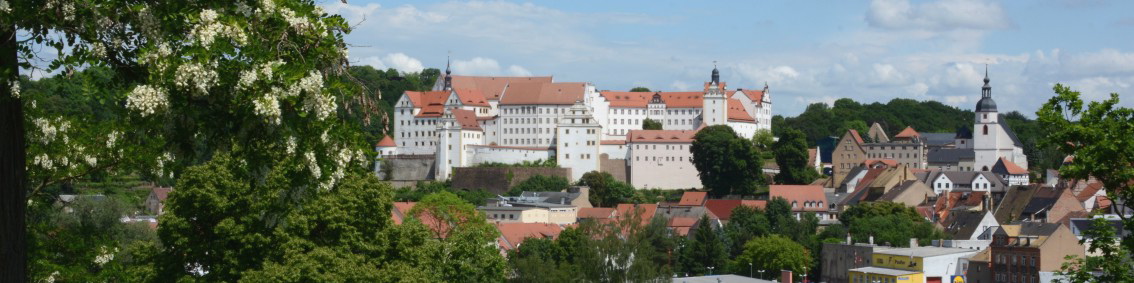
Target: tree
(651, 124)
(864, 210)
(726, 163)
(746, 223)
(605, 191)
(640, 89)
(791, 156)
(771, 253)
(540, 183)
(1101, 140)
(763, 141)
(250, 79)
(704, 250)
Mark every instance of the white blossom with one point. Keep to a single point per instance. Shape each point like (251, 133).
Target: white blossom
(105, 256)
(98, 50)
(147, 100)
(156, 55)
(4, 7)
(267, 7)
(43, 161)
(16, 84)
(51, 278)
(247, 78)
(111, 138)
(296, 22)
(69, 11)
(196, 77)
(208, 29)
(91, 160)
(268, 107)
(243, 8)
(208, 16)
(47, 130)
(313, 165)
(291, 145)
(322, 105)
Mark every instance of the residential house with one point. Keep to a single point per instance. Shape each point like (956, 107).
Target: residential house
(1031, 251)
(848, 154)
(804, 199)
(155, 202)
(968, 229)
(512, 235)
(1010, 172)
(964, 181)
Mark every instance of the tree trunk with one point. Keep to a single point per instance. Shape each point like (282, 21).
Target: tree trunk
(13, 174)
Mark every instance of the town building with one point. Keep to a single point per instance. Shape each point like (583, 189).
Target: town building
(914, 264)
(804, 199)
(468, 120)
(1031, 251)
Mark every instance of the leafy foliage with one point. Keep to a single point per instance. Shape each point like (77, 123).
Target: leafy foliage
(1101, 139)
(541, 163)
(384, 87)
(623, 251)
(888, 222)
(540, 183)
(605, 191)
(640, 89)
(651, 124)
(791, 156)
(705, 250)
(771, 253)
(726, 163)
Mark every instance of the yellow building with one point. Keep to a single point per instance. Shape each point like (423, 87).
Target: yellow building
(885, 275)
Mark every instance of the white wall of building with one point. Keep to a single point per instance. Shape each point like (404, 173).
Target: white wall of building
(662, 166)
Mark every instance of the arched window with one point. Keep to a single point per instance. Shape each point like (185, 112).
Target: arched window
(985, 168)
(986, 130)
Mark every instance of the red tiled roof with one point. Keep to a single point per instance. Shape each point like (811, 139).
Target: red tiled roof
(432, 103)
(161, 193)
(693, 198)
(661, 136)
(682, 99)
(1089, 191)
(492, 87)
(401, 212)
(722, 208)
(887, 162)
(596, 212)
(909, 132)
(1012, 168)
(801, 194)
(543, 93)
(386, 141)
(736, 112)
(756, 95)
(466, 118)
(471, 97)
(854, 134)
(646, 211)
(512, 235)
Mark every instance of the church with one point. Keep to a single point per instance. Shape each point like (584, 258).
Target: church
(992, 138)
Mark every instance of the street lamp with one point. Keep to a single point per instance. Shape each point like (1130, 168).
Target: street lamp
(761, 274)
(749, 269)
(711, 271)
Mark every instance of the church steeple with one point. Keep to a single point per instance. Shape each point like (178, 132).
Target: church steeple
(448, 75)
(986, 104)
(716, 74)
(986, 90)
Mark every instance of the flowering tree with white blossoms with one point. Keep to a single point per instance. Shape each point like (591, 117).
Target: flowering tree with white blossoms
(259, 81)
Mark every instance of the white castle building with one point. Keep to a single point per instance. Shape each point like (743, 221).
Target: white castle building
(468, 120)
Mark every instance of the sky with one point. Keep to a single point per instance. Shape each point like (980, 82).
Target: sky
(805, 51)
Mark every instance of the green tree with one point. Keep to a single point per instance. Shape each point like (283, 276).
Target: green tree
(651, 124)
(640, 89)
(746, 223)
(726, 163)
(86, 241)
(704, 250)
(763, 141)
(540, 183)
(771, 254)
(864, 210)
(1101, 139)
(605, 191)
(791, 156)
(250, 79)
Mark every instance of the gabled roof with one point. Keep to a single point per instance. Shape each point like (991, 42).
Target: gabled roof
(736, 112)
(1090, 190)
(466, 118)
(471, 97)
(693, 198)
(854, 134)
(1011, 134)
(490, 87)
(512, 235)
(938, 139)
(722, 208)
(660, 136)
(1013, 202)
(908, 133)
(161, 193)
(888, 162)
(756, 95)
(543, 93)
(1004, 166)
(801, 195)
(386, 141)
(432, 103)
(961, 224)
(644, 211)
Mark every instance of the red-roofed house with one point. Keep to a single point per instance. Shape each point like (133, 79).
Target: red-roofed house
(692, 198)
(597, 213)
(644, 212)
(803, 199)
(512, 235)
(661, 159)
(1011, 173)
(155, 202)
(722, 208)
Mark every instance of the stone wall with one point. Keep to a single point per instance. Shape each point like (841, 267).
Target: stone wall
(616, 167)
(409, 168)
(498, 180)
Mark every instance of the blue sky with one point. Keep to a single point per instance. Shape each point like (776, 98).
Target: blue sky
(807, 51)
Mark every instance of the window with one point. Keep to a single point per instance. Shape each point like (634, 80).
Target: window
(986, 130)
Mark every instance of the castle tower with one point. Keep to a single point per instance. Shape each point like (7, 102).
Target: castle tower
(449, 149)
(578, 136)
(715, 105)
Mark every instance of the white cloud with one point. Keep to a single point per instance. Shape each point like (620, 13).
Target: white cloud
(399, 61)
(487, 66)
(680, 86)
(938, 15)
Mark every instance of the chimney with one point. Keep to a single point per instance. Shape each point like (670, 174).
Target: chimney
(785, 276)
(913, 242)
(871, 240)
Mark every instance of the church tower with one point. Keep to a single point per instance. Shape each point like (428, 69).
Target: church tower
(986, 132)
(715, 105)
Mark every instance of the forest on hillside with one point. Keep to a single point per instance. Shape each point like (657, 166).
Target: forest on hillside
(820, 121)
